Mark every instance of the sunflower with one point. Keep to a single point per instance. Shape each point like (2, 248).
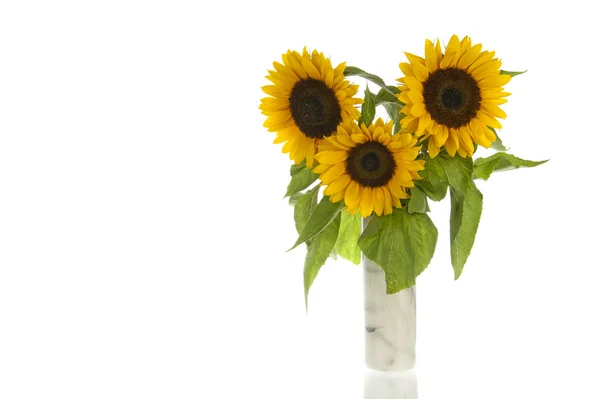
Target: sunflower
(309, 100)
(453, 97)
(368, 167)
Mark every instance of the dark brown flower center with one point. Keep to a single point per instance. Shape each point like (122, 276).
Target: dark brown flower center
(452, 97)
(371, 164)
(315, 108)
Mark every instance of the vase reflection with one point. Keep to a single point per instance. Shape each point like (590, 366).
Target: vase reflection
(384, 385)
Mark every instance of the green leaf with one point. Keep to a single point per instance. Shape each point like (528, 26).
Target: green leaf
(397, 119)
(458, 171)
(347, 241)
(302, 177)
(304, 207)
(402, 244)
(354, 71)
(503, 72)
(318, 251)
(465, 212)
(385, 96)
(391, 104)
(500, 161)
(324, 213)
(465, 209)
(497, 145)
(434, 183)
(418, 201)
(367, 109)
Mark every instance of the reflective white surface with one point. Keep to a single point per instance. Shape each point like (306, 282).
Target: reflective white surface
(385, 385)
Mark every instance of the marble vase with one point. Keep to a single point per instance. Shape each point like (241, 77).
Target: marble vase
(390, 323)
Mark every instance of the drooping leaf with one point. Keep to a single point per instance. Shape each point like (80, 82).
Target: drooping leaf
(302, 177)
(418, 201)
(304, 207)
(497, 145)
(434, 183)
(323, 214)
(367, 110)
(465, 212)
(317, 253)
(354, 71)
(402, 244)
(500, 161)
(503, 72)
(466, 207)
(347, 242)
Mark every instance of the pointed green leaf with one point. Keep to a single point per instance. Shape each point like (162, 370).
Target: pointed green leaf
(304, 207)
(500, 161)
(497, 145)
(385, 96)
(418, 201)
(397, 119)
(354, 71)
(434, 183)
(402, 244)
(503, 72)
(317, 253)
(465, 212)
(458, 171)
(347, 242)
(324, 213)
(367, 110)
(302, 177)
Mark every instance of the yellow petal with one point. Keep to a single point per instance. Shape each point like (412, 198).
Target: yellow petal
(418, 110)
(337, 197)
(384, 138)
(494, 81)
(333, 173)
(296, 66)
(337, 185)
(415, 97)
(366, 202)
(359, 138)
(465, 139)
(469, 56)
(310, 68)
(432, 148)
(387, 201)
(430, 56)
(404, 97)
(414, 84)
(353, 192)
(332, 157)
(492, 110)
(345, 140)
(406, 69)
(488, 120)
(424, 122)
(378, 200)
(419, 69)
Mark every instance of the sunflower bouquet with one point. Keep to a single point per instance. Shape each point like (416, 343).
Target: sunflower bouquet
(352, 170)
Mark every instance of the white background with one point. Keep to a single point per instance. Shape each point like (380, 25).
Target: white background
(143, 230)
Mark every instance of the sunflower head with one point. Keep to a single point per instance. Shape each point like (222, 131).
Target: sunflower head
(307, 102)
(368, 167)
(453, 97)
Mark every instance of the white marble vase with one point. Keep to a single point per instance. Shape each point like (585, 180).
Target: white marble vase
(390, 323)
